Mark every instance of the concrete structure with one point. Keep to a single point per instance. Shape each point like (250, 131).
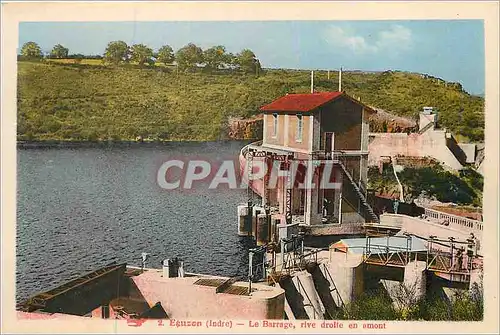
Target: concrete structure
(197, 297)
(121, 292)
(415, 278)
(430, 141)
(303, 136)
(304, 284)
(345, 271)
(440, 224)
(317, 283)
(470, 151)
(406, 293)
(404, 272)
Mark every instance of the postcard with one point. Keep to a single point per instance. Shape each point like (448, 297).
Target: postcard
(267, 167)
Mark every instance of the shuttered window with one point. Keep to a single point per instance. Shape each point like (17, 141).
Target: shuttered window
(298, 133)
(275, 125)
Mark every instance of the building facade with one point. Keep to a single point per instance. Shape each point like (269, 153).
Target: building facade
(310, 131)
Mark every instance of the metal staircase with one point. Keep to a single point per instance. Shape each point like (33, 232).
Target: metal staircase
(359, 193)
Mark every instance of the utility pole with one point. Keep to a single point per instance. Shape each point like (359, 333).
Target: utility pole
(312, 81)
(340, 80)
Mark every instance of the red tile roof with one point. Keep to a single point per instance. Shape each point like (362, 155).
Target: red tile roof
(301, 102)
(306, 102)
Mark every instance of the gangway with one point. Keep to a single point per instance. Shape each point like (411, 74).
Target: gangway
(449, 259)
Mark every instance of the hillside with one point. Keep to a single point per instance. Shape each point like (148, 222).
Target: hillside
(95, 102)
(430, 180)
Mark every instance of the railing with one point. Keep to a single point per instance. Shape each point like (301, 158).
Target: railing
(438, 260)
(360, 191)
(292, 263)
(424, 129)
(336, 155)
(340, 301)
(386, 254)
(301, 287)
(244, 150)
(454, 220)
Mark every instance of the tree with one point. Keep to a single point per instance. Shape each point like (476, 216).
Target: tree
(231, 60)
(141, 54)
(247, 62)
(59, 52)
(166, 55)
(188, 57)
(471, 124)
(31, 50)
(215, 57)
(117, 52)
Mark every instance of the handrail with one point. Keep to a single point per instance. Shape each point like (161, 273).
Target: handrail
(447, 259)
(316, 312)
(425, 128)
(454, 219)
(342, 305)
(245, 148)
(357, 188)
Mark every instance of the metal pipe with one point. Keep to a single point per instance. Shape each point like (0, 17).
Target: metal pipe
(250, 271)
(264, 264)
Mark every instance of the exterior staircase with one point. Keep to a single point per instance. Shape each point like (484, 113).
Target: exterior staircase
(360, 194)
(425, 128)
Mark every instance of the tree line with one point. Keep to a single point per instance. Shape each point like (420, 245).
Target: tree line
(188, 58)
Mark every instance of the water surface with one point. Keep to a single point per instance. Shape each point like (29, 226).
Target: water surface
(82, 208)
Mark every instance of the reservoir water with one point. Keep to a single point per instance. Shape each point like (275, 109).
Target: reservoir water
(82, 208)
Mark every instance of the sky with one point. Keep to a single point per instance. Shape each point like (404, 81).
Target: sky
(449, 49)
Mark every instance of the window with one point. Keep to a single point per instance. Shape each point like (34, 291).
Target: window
(275, 125)
(298, 134)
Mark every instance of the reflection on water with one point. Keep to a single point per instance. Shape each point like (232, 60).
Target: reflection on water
(82, 208)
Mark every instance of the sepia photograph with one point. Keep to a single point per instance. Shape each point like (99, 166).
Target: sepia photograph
(227, 174)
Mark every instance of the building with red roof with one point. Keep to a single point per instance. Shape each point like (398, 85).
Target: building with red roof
(312, 128)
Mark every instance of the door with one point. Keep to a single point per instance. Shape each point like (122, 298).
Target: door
(329, 141)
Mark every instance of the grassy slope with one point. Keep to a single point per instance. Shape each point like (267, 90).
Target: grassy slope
(89, 101)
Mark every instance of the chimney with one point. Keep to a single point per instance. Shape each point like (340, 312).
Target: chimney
(340, 80)
(312, 81)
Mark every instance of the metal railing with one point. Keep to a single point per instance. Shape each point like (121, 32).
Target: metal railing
(340, 157)
(436, 259)
(244, 150)
(300, 288)
(335, 289)
(425, 128)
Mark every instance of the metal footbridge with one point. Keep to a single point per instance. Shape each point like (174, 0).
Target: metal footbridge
(446, 258)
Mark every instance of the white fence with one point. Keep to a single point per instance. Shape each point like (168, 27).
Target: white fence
(454, 221)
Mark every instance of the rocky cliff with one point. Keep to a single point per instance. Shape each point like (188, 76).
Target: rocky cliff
(382, 121)
(245, 129)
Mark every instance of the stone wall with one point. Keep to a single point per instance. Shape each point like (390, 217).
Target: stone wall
(432, 143)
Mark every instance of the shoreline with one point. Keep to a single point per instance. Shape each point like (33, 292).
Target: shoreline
(55, 144)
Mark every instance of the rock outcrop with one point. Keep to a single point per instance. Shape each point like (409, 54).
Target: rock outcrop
(384, 122)
(251, 128)
(246, 129)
